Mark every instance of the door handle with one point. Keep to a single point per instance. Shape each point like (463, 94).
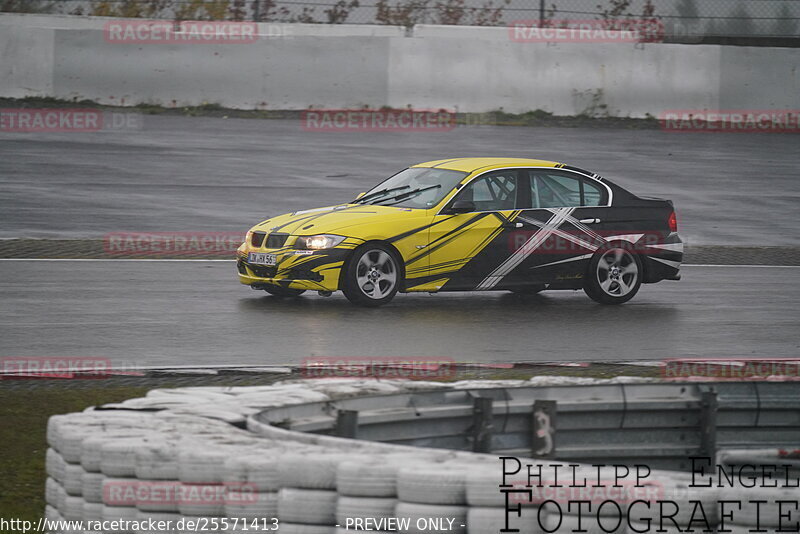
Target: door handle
(512, 225)
(590, 221)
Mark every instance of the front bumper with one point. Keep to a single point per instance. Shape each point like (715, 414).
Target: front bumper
(317, 271)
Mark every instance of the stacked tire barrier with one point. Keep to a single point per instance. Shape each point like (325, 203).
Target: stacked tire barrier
(182, 456)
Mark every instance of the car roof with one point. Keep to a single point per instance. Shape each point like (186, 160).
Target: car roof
(474, 164)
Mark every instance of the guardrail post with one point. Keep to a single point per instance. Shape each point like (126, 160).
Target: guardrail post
(482, 424)
(347, 423)
(543, 426)
(708, 425)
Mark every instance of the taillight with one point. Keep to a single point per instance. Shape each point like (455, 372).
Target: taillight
(673, 222)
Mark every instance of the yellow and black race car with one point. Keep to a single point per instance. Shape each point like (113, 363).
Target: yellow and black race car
(520, 225)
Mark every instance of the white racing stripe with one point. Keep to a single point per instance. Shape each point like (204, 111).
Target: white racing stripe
(566, 235)
(519, 255)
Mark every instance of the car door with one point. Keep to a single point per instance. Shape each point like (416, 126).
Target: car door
(561, 227)
(464, 248)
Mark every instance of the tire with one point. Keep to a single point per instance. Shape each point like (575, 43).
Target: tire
(372, 275)
(428, 484)
(316, 472)
(72, 479)
(258, 471)
(364, 507)
(157, 461)
(250, 505)
(528, 290)
(55, 465)
(202, 500)
(307, 507)
(482, 486)
(283, 292)
(92, 487)
(72, 508)
(52, 489)
(367, 479)
(615, 275)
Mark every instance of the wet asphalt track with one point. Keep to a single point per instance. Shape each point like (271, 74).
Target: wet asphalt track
(195, 313)
(210, 174)
(213, 174)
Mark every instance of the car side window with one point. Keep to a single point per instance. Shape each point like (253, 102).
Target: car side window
(592, 195)
(492, 192)
(550, 190)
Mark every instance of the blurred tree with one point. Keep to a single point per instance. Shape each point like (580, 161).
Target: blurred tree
(339, 12)
(26, 6)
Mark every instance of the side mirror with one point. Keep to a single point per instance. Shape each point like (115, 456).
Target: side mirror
(461, 206)
(361, 194)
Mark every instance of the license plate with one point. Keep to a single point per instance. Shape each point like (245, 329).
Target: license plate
(259, 258)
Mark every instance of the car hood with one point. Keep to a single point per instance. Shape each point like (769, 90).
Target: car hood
(334, 219)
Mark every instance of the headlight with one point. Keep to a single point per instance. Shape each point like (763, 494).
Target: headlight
(318, 242)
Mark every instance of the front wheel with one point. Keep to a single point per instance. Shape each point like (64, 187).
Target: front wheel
(283, 292)
(615, 275)
(372, 276)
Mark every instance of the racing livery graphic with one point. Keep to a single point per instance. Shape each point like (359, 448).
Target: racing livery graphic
(470, 224)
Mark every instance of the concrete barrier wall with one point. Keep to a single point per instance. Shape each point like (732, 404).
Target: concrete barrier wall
(294, 66)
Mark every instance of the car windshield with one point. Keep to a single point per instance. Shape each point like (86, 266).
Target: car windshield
(416, 187)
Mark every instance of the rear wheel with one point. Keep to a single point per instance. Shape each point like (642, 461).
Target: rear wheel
(615, 275)
(283, 292)
(372, 275)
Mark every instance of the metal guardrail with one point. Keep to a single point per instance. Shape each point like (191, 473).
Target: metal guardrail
(662, 425)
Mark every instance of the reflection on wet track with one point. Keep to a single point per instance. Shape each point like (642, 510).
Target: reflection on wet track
(187, 313)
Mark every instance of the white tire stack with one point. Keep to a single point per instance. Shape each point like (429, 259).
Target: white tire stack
(307, 507)
(92, 487)
(162, 496)
(371, 476)
(157, 460)
(310, 471)
(73, 476)
(55, 465)
(251, 504)
(433, 484)
(204, 500)
(364, 507)
(259, 471)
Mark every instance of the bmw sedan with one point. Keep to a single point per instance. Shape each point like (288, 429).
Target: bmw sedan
(470, 224)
